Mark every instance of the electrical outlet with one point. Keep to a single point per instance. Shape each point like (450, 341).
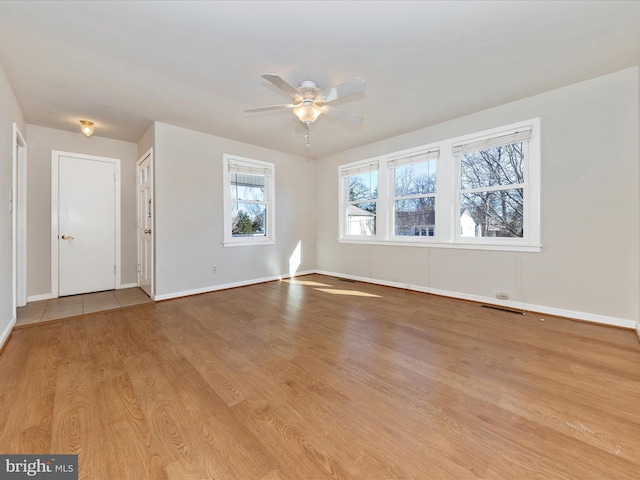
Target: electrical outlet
(502, 295)
(214, 269)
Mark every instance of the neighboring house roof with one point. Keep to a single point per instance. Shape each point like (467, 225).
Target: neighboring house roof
(359, 212)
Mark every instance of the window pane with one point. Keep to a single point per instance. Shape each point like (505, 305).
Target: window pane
(361, 219)
(495, 166)
(492, 214)
(248, 219)
(416, 179)
(247, 187)
(415, 217)
(363, 186)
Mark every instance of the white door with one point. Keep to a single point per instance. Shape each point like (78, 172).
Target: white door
(86, 225)
(19, 210)
(145, 223)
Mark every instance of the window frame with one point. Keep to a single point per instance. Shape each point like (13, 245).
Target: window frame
(254, 167)
(447, 196)
(404, 159)
(530, 185)
(344, 173)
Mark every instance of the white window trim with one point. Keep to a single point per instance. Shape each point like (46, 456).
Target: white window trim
(447, 234)
(531, 185)
(369, 165)
(269, 168)
(399, 160)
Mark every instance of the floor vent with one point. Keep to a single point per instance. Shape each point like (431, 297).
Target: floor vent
(504, 309)
(347, 280)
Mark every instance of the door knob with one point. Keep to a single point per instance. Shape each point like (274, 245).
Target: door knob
(147, 230)
(67, 237)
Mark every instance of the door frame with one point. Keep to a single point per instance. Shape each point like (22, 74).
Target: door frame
(148, 153)
(55, 154)
(19, 214)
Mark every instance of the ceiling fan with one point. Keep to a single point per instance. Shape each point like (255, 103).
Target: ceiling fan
(309, 102)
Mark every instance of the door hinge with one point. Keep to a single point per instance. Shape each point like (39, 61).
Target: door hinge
(114, 269)
(139, 269)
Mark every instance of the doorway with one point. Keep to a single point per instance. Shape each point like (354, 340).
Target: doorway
(18, 210)
(144, 183)
(85, 223)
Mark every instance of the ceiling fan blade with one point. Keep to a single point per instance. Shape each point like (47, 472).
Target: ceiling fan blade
(343, 116)
(355, 85)
(282, 85)
(271, 107)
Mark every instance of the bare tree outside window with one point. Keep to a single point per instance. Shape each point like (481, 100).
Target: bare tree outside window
(414, 199)
(362, 191)
(492, 190)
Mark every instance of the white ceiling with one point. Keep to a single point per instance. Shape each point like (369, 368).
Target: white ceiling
(198, 64)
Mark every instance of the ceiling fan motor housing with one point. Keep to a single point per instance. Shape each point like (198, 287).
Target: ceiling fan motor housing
(308, 89)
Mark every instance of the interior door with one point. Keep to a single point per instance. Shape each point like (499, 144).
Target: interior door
(18, 207)
(145, 224)
(86, 225)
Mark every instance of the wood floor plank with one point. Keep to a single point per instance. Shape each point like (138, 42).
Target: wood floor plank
(202, 410)
(319, 378)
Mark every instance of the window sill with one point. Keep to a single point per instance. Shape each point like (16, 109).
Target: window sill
(506, 247)
(247, 243)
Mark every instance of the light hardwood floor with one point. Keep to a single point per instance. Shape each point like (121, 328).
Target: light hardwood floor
(319, 378)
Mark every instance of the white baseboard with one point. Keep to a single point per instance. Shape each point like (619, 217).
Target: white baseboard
(225, 286)
(127, 285)
(560, 312)
(576, 315)
(6, 332)
(37, 298)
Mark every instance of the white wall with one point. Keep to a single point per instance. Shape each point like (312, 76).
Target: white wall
(147, 140)
(10, 112)
(589, 264)
(41, 141)
(189, 216)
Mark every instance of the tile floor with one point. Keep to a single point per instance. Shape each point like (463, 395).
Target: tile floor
(63, 307)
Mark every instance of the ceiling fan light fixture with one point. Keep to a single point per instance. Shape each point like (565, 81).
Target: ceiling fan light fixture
(86, 127)
(307, 112)
(309, 101)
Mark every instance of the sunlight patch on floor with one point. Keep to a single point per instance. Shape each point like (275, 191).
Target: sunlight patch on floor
(354, 293)
(305, 282)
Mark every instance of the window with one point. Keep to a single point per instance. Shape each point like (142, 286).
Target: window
(414, 194)
(248, 201)
(360, 188)
(477, 191)
(492, 185)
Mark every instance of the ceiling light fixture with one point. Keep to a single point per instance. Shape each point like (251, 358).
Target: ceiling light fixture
(307, 112)
(86, 127)
(309, 102)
